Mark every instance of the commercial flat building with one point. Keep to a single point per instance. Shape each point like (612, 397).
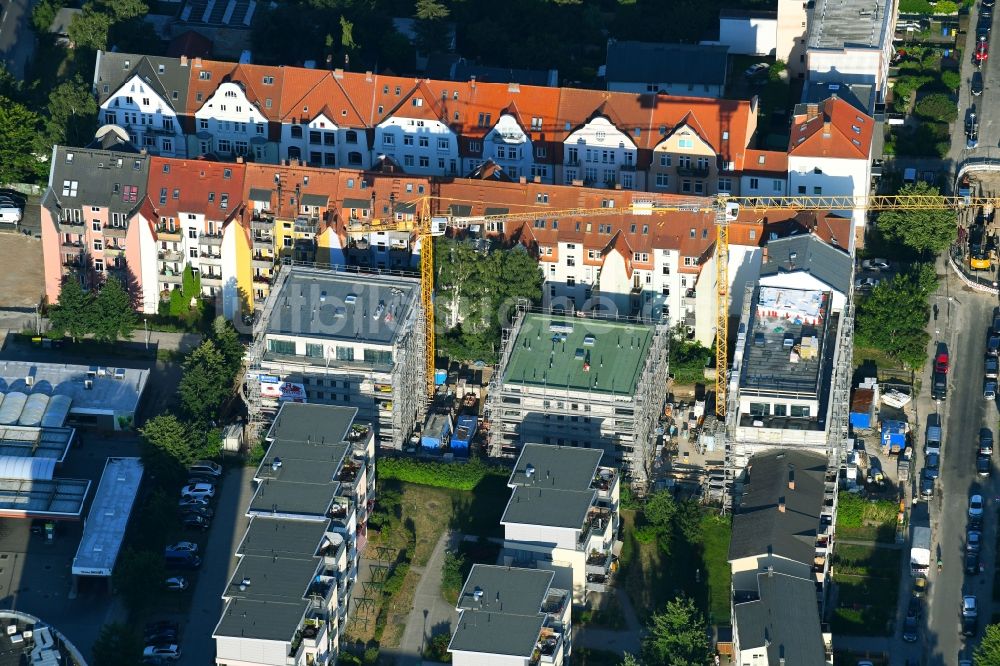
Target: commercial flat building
(288, 598)
(511, 617)
(343, 338)
(563, 515)
(580, 381)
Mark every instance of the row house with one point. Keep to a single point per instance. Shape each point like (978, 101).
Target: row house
(87, 221)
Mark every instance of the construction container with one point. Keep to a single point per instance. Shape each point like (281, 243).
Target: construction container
(862, 408)
(893, 436)
(437, 432)
(465, 431)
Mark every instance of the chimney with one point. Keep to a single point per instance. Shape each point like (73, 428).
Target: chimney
(338, 73)
(472, 81)
(184, 61)
(197, 62)
(826, 130)
(763, 255)
(513, 87)
(536, 179)
(791, 477)
(523, 180)
(239, 159)
(368, 76)
(812, 110)
(781, 504)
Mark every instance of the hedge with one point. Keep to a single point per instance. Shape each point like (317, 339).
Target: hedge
(454, 475)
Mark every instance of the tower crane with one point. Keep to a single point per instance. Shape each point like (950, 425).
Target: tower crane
(725, 208)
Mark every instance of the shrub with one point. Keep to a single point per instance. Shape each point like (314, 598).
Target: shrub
(454, 475)
(452, 576)
(937, 106)
(951, 80)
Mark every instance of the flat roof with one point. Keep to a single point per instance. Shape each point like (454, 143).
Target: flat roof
(597, 355)
(551, 507)
(562, 467)
(25, 442)
(114, 389)
(108, 517)
(283, 536)
(505, 589)
(835, 24)
(339, 305)
(779, 314)
(497, 633)
(55, 498)
(308, 443)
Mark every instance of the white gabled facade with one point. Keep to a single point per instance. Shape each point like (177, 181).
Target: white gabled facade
(601, 155)
(509, 146)
(422, 147)
(149, 119)
(826, 176)
(323, 143)
(230, 125)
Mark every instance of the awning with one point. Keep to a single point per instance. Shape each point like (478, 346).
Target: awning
(315, 200)
(460, 210)
(364, 204)
(257, 194)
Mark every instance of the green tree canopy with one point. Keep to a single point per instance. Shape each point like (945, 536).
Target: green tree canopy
(89, 28)
(893, 318)
(937, 106)
(72, 110)
(168, 435)
(678, 636)
(206, 382)
(138, 577)
(659, 509)
(112, 315)
(124, 10)
(988, 652)
(19, 143)
(228, 343)
(629, 660)
(118, 644)
(924, 231)
(71, 314)
(190, 284)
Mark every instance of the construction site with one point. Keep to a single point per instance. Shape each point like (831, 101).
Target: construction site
(580, 381)
(345, 337)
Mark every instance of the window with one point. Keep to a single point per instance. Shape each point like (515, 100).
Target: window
(351, 136)
(281, 346)
(725, 185)
(388, 140)
(378, 356)
(484, 120)
(211, 197)
(662, 180)
(205, 76)
(407, 139)
(754, 183)
(800, 411)
(163, 195)
(315, 137)
(109, 118)
(167, 144)
(98, 245)
(99, 265)
(425, 161)
(96, 226)
(296, 132)
(424, 142)
(442, 144)
(408, 160)
(778, 185)
(665, 160)
(540, 151)
(223, 201)
(70, 188)
(314, 350)
(176, 194)
(802, 189)
(345, 353)
(759, 409)
(689, 261)
(475, 146)
(685, 143)
(780, 410)
(640, 256)
(130, 194)
(193, 252)
(817, 190)
(685, 185)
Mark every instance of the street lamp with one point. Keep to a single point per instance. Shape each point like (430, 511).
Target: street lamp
(145, 328)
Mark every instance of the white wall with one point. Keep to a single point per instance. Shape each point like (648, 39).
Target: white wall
(748, 35)
(609, 149)
(760, 185)
(683, 89)
(250, 652)
(442, 144)
(232, 120)
(845, 66)
(137, 107)
(230, 278)
(836, 177)
(804, 280)
(559, 537)
(507, 137)
(483, 659)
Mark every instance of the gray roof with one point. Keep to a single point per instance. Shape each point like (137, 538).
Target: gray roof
(835, 24)
(561, 467)
(101, 177)
(297, 421)
(166, 76)
(507, 619)
(283, 537)
(785, 618)
(759, 527)
(505, 589)
(859, 95)
(649, 62)
(313, 303)
(828, 264)
(552, 507)
(107, 393)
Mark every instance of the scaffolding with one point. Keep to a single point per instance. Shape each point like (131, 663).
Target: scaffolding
(623, 424)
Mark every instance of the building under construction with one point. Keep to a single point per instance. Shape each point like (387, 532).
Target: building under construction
(338, 337)
(581, 381)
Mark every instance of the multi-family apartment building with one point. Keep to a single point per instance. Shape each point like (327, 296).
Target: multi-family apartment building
(563, 515)
(344, 338)
(510, 616)
(424, 127)
(288, 598)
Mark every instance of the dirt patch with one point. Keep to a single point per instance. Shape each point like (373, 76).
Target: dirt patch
(22, 283)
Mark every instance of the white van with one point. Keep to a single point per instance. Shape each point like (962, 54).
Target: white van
(9, 214)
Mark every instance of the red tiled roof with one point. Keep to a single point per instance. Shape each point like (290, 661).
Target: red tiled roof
(833, 128)
(770, 162)
(194, 181)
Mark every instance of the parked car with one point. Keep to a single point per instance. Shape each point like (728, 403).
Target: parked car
(985, 441)
(970, 625)
(939, 386)
(186, 502)
(982, 52)
(205, 490)
(986, 13)
(972, 562)
(206, 468)
(910, 630)
(181, 560)
(941, 358)
(163, 631)
(977, 82)
(204, 511)
(165, 652)
(972, 137)
(875, 264)
(183, 547)
(932, 465)
(984, 465)
(993, 345)
(991, 366)
(866, 283)
(915, 608)
(973, 541)
(970, 606)
(920, 586)
(926, 486)
(195, 522)
(756, 69)
(976, 508)
(989, 389)
(176, 583)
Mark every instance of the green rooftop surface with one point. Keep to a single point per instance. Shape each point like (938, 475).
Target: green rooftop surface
(612, 352)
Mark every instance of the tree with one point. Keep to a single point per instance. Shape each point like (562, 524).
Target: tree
(138, 577)
(18, 143)
(190, 285)
(659, 509)
(951, 80)
(629, 660)
(432, 29)
(988, 652)
(44, 14)
(124, 10)
(112, 316)
(89, 28)
(168, 435)
(347, 34)
(937, 106)
(677, 636)
(206, 382)
(924, 231)
(117, 645)
(178, 306)
(72, 110)
(892, 318)
(72, 311)
(452, 576)
(228, 343)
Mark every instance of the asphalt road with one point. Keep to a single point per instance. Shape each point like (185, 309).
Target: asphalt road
(17, 38)
(987, 104)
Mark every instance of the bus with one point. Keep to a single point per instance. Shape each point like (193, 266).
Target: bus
(979, 256)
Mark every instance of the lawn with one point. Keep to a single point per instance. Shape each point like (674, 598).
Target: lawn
(863, 575)
(865, 520)
(699, 570)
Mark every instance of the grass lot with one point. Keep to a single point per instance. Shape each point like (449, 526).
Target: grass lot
(863, 575)
(866, 520)
(416, 521)
(699, 570)
(863, 355)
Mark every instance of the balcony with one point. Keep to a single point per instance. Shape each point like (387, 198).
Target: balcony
(170, 255)
(597, 583)
(599, 562)
(71, 245)
(262, 224)
(693, 172)
(261, 241)
(211, 280)
(548, 649)
(210, 258)
(595, 532)
(170, 277)
(166, 233)
(342, 512)
(309, 641)
(629, 168)
(210, 239)
(114, 250)
(604, 482)
(261, 279)
(115, 232)
(262, 261)
(70, 224)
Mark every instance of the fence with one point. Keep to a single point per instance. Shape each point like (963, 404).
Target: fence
(974, 280)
